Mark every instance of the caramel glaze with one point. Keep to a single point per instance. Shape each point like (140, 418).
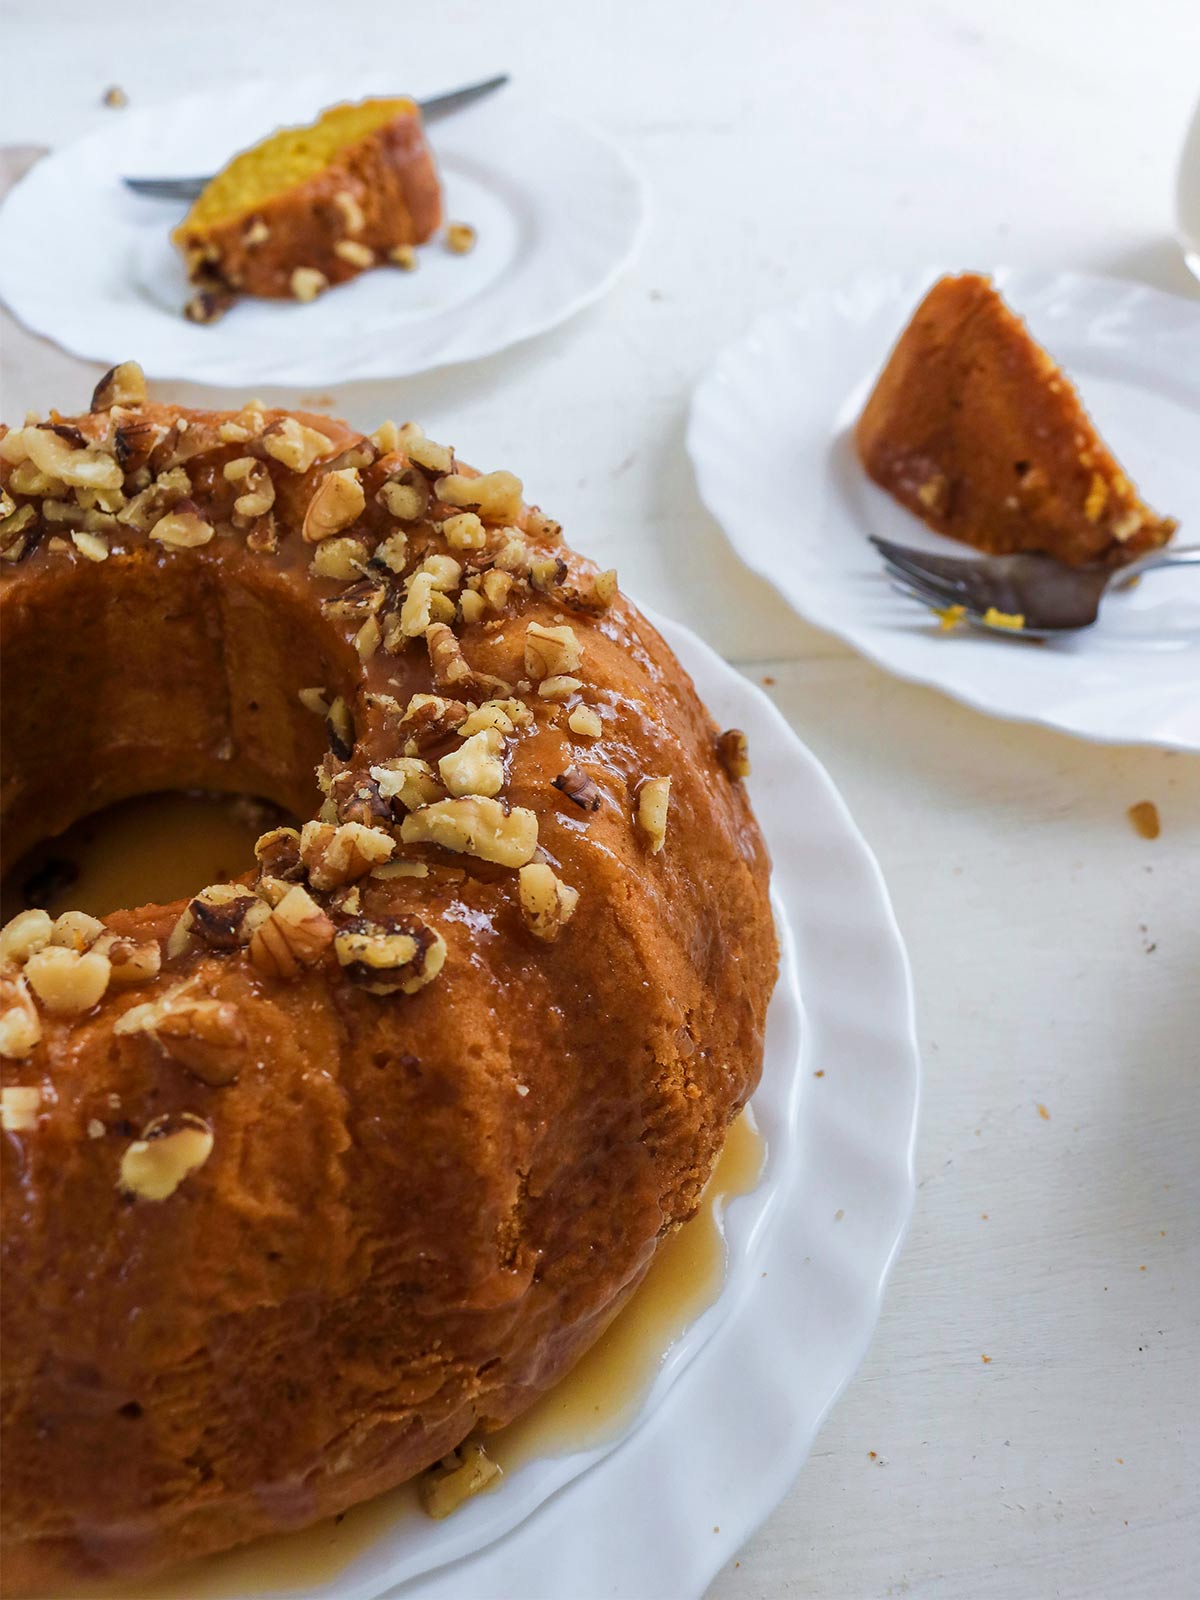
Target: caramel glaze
(419, 1210)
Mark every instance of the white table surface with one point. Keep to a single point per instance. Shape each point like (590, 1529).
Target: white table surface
(1056, 954)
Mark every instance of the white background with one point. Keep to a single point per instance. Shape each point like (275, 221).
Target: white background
(1056, 954)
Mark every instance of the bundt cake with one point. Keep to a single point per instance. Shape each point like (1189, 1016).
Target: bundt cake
(310, 207)
(974, 428)
(312, 1175)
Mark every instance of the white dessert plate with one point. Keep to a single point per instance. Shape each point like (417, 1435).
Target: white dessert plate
(738, 1399)
(770, 439)
(557, 208)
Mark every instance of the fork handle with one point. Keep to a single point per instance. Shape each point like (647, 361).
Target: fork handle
(1184, 555)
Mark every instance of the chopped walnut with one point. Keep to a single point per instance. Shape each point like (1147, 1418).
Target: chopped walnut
(363, 598)
(339, 726)
(123, 385)
(475, 826)
(222, 917)
(389, 955)
(654, 796)
(497, 586)
(354, 253)
(409, 780)
(171, 1149)
(427, 719)
(209, 305)
(547, 903)
(66, 981)
(581, 790)
(551, 652)
(278, 853)
(392, 552)
(496, 496)
(182, 529)
(559, 688)
(733, 751)
(255, 233)
(248, 424)
(256, 494)
(464, 531)
(458, 1476)
(76, 930)
(297, 447)
(405, 497)
(585, 722)
(337, 502)
(115, 98)
(20, 1025)
(295, 935)
(90, 545)
(367, 639)
(416, 613)
(203, 1035)
(351, 212)
(477, 766)
(337, 855)
(472, 607)
(436, 460)
(307, 283)
(505, 715)
(460, 238)
(342, 559)
(78, 465)
(404, 257)
(131, 961)
(24, 935)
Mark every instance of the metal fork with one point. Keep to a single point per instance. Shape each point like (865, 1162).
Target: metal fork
(436, 107)
(1034, 597)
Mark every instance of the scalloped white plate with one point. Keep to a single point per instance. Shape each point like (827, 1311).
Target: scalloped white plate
(558, 209)
(738, 1399)
(775, 413)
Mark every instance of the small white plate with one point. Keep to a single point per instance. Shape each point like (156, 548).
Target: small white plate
(736, 1404)
(557, 208)
(770, 439)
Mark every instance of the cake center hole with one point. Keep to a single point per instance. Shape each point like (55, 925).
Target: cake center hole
(152, 849)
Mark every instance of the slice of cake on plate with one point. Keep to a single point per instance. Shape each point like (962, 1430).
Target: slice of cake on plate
(313, 206)
(976, 429)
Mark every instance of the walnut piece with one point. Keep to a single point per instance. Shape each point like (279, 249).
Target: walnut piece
(19, 1108)
(354, 253)
(22, 935)
(396, 954)
(404, 257)
(123, 385)
(585, 721)
(496, 496)
(294, 445)
(338, 501)
(559, 688)
(295, 935)
(551, 652)
(182, 529)
(203, 1035)
(65, 981)
(733, 752)
(307, 283)
(463, 1473)
(409, 780)
(475, 826)
(20, 1025)
(170, 1150)
(341, 854)
(547, 903)
(477, 766)
(342, 559)
(460, 238)
(653, 798)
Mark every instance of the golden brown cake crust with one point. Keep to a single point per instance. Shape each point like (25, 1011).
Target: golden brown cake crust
(415, 1209)
(380, 193)
(974, 428)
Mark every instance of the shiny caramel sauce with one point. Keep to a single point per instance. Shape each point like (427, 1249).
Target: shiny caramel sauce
(154, 849)
(596, 1400)
(162, 847)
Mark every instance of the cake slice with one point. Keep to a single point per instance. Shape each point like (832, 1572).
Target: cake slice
(313, 206)
(975, 428)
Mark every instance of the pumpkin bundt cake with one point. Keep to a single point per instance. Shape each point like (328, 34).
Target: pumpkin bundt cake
(312, 1175)
(314, 206)
(974, 428)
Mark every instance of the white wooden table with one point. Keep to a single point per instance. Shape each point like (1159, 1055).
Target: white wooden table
(1027, 1422)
